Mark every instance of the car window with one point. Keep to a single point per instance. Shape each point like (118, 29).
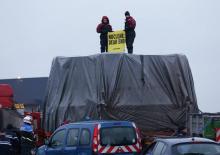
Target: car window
(85, 137)
(196, 148)
(72, 137)
(159, 148)
(118, 136)
(58, 139)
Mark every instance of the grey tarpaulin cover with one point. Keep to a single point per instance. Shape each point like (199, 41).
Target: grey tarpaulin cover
(154, 91)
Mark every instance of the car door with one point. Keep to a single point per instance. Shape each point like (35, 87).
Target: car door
(85, 142)
(72, 142)
(56, 143)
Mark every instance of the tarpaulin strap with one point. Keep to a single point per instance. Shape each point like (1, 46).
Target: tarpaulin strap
(142, 69)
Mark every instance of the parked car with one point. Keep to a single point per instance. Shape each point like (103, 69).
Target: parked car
(94, 137)
(6, 148)
(9, 143)
(183, 146)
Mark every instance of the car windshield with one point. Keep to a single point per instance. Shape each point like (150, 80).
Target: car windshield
(196, 149)
(117, 136)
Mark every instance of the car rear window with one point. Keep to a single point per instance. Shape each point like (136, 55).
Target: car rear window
(118, 136)
(196, 148)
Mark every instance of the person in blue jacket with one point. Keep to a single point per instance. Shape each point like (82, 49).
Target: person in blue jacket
(27, 136)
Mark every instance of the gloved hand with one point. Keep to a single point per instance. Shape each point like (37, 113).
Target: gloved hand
(106, 29)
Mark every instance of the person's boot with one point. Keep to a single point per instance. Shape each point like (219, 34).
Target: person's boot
(130, 51)
(102, 50)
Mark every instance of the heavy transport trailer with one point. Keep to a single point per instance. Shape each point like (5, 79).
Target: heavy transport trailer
(154, 91)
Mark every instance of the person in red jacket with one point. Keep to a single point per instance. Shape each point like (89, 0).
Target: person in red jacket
(130, 25)
(103, 28)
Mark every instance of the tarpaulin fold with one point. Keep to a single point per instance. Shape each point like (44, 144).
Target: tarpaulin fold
(155, 91)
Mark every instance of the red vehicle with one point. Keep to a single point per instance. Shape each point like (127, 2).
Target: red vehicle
(8, 115)
(6, 96)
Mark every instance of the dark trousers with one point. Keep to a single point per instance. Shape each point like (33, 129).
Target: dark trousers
(26, 149)
(104, 43)
(130, 35)
(26, 146)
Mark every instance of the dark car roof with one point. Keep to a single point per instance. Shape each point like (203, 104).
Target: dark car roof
(173, 141)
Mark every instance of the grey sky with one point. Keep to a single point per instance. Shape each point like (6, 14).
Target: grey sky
(33, 32)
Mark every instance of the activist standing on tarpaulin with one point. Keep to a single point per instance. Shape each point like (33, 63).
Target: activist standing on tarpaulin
(103, 28)
(130, 25)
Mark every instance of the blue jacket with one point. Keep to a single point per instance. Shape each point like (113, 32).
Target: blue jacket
(26, 127)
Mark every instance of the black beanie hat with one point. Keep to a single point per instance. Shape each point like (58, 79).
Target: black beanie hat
(127, 13)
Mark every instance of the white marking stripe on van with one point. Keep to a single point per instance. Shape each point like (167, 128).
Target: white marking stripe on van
(134, 125)
(99, 147)
(115, 149)
(137, 145)
(124, 149)
(106, 149)
(99, 126)
(132, 148)
(95, 141)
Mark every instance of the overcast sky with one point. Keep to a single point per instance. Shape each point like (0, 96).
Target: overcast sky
(33, 32)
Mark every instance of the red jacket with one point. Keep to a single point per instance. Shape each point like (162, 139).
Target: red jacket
(104, 28)
(130, 23)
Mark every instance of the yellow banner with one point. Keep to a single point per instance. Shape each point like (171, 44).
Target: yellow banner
(116, 41)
